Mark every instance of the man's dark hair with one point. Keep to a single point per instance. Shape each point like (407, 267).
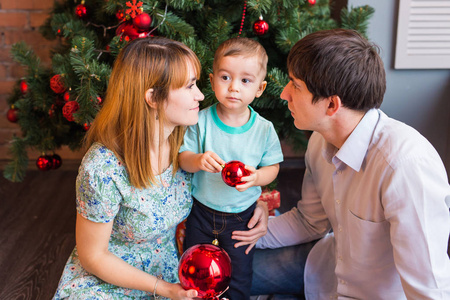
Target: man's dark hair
(340, 62)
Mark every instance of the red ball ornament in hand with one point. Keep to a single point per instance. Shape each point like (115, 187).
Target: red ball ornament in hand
(69, 109)
(81, 11)
(11, 115)
(260, 27)
(44, 162)
(205, 268)
(142, 21)
(57, 84)
(233, 171)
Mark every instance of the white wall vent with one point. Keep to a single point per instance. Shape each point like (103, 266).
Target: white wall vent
(423, 35)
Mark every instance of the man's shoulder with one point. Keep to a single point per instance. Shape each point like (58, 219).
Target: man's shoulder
(397, 141)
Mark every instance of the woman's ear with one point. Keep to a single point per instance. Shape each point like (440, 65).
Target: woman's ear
(149, 98)
(334, 104)
(261, 89)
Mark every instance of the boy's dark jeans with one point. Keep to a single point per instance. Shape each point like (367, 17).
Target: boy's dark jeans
(205, 224)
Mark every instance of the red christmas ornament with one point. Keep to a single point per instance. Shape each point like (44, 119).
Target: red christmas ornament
(66, 96)
(44, 162)
(81, 11)
(142, 21)
(233, 171)
(205, 268)
(56, 161)
(86, 126)
(260, 27)
(312, 2)
(23, 86)
(11, 115)
(120, 15)
(129, 31)
(57, 85)
(69, 109)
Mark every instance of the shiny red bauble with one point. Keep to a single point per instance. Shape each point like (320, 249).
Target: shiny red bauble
(233, 172)
(260, 27)
(44, 162)
(205, 268)
(142, 21)
(56, 161)
(81, 11)
(130, 32)
(312, 2)
(11, 115)
(23, 87)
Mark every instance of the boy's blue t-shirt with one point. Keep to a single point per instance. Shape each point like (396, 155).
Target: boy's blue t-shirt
(255, 144)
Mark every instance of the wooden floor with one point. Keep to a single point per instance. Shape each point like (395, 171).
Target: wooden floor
(37, 233)
(37, 228)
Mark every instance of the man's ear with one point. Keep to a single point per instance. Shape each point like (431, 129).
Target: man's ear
(334, 104)
(211, 80)
(261, 89)
(149, 98)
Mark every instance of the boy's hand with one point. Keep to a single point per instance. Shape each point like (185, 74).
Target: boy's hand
(210, 162)
(249, 180)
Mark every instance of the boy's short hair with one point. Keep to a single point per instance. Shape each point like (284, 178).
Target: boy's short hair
(340, 62)
(241, 46)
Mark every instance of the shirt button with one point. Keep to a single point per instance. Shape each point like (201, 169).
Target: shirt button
(340, 257)
(338, 201)
(340, 229)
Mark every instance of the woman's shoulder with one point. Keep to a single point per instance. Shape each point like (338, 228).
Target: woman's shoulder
(99, 157)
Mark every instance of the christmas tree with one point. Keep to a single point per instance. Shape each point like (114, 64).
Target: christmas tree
(54, 106)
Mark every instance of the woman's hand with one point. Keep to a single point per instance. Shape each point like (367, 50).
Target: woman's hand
(178, 293)
(258, 227)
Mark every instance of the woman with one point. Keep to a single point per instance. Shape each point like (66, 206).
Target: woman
(130, 192)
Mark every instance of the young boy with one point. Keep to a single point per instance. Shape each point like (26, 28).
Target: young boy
(230, 130)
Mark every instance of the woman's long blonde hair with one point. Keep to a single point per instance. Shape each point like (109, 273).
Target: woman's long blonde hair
(126, 123)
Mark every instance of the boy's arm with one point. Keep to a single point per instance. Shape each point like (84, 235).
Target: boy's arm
(259, 177)
(194, 162)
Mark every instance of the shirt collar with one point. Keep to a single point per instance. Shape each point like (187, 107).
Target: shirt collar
(354, 150)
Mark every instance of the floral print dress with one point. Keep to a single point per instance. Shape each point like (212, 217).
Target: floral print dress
(144, 225)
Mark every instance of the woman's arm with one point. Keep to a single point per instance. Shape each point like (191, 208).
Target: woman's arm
(92, 244)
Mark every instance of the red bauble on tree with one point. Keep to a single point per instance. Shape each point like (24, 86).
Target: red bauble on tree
(142, 21)
(56, 161)
(57, 84)
(260, 27)
(312, 2)
(81, 11)
(205, 268)
(11, 115)
(66, 96)
(120, 15)
(44, 162)
(233, 171)
(69, 109)
(23, 87)
(129, 31)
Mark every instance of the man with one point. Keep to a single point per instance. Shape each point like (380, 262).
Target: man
(374, 188)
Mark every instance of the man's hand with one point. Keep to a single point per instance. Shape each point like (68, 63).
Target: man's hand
(258, 227)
